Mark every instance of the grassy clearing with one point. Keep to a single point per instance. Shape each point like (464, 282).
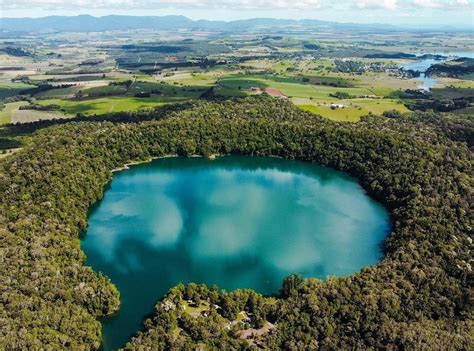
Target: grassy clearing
(458, 83)
(12, 89)
(58, 93)
(195, 310)
(380, 83)
(6, 113)
(169, 90)
(348, 114)
(354, 109)
(26, 116)
(189, 78)
(109, 90)
(162, 90)
(105, 105)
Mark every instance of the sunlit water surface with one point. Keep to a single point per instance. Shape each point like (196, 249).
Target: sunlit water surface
(239, 222)
(426, 83)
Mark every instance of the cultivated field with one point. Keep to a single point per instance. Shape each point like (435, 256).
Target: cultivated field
(335, 75)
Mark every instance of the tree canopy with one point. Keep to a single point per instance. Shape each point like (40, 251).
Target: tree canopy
(418, 297)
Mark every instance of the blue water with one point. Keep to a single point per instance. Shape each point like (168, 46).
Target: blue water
(238, 222)
(426, 83)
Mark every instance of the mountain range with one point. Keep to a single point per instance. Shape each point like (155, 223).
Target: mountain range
(87, 23)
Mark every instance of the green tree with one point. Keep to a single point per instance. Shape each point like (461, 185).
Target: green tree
(291, 284)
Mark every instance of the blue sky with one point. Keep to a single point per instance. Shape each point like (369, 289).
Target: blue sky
(400, 12)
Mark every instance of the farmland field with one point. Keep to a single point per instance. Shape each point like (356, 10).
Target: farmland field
(354, 110)
(12, 89)
(28, 116)
(6, 113)
(337, 76)
(105, 105)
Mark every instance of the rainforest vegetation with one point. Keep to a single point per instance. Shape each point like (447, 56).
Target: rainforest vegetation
(418, 297)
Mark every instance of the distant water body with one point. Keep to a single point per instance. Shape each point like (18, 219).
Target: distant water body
(238, 222)
(426, 83)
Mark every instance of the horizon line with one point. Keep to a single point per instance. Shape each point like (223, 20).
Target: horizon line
(404, 26)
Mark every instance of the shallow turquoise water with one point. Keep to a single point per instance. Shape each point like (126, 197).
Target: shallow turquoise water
(238, 222)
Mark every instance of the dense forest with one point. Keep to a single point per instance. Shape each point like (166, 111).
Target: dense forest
(454, 68)
(418, 297)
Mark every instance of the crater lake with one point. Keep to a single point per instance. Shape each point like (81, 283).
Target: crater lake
(238, 222)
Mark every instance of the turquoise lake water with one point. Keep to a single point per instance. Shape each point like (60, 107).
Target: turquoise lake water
(238, 222)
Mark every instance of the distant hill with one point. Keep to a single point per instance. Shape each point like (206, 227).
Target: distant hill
(87, 23)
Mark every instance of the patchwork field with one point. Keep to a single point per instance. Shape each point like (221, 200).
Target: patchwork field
(336, 76)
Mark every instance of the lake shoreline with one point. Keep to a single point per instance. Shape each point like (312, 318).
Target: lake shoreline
(151, 159)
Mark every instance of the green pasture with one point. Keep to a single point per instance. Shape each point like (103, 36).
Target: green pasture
(354, 109)
(6, 112)
(229, 86)
(8, 89)
(188, 78)
(105, 105)
(58, 93)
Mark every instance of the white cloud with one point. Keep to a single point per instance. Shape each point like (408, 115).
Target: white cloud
(377, 4)
(443, 5)
(461, 3)
(178, 4)
(427, 3)
(167, 223)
